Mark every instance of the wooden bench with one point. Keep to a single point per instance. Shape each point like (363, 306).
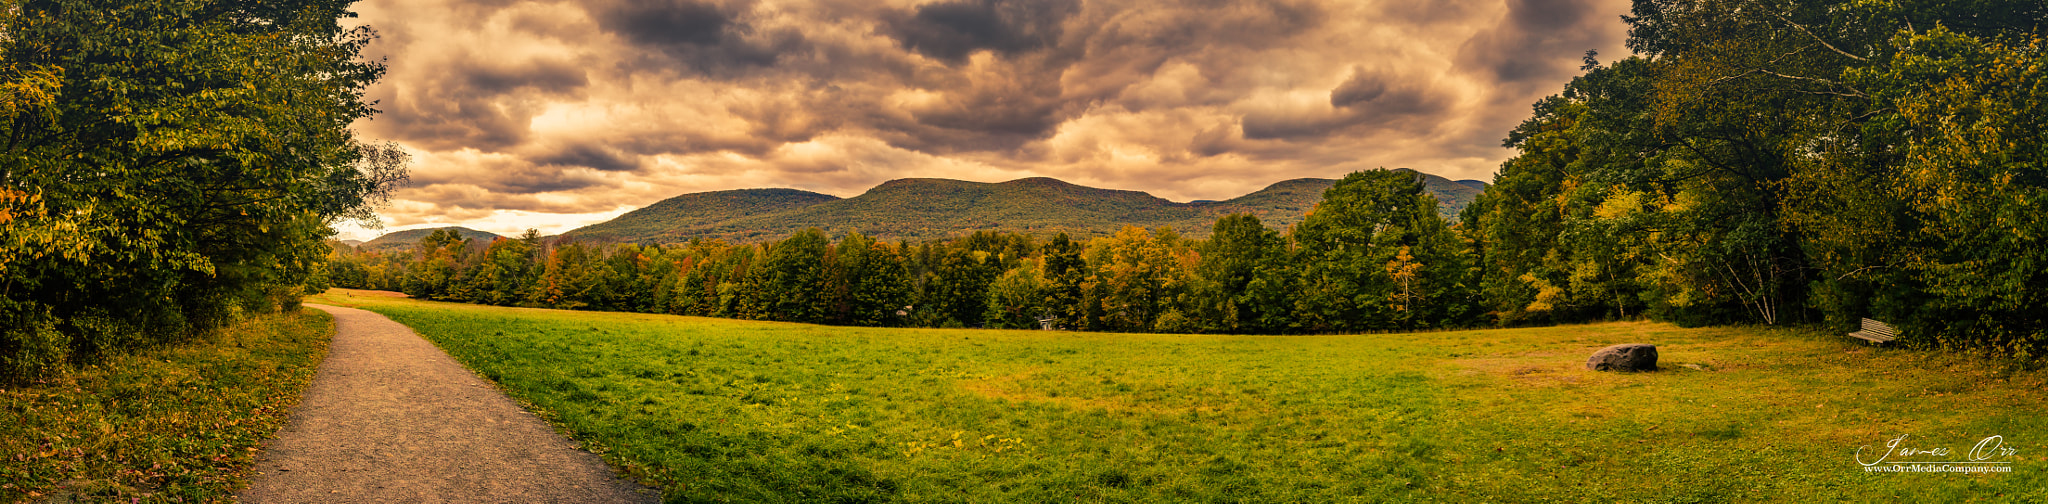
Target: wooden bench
(1876, 332)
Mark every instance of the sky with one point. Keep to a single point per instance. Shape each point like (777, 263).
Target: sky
(555, 115)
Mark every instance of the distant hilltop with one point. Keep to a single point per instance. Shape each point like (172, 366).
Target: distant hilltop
(405, 240)
(925, 208)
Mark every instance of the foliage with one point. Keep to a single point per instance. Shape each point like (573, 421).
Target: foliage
(1570, 227)
(175, 424)
(1365, 222)
(1016, 299)
(790, 285)
(870, 282)
(179, 160)
(506, 269)
(437, 273)
(1246, 279)
(1973, 179)
(952, 283)
(1786, 162)
(1065, 272)
(1138, 277)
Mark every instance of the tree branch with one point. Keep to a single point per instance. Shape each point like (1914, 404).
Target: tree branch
(1816, 38)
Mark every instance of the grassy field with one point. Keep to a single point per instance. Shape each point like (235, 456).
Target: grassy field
(179, 424)
(720, 410)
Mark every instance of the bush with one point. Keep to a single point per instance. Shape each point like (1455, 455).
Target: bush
(30, 345)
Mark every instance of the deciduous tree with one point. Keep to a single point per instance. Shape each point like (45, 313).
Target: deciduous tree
(179, 160)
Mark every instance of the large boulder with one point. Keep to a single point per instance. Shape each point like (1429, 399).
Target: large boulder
(1624, 357)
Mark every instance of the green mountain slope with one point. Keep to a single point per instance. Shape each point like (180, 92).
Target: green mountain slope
(921, 208)
(1451, 195)
(931, 208)
(1279, 205)
(396, 240)
(691, 215)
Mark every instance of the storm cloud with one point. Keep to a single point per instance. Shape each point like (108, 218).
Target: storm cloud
(553, 114)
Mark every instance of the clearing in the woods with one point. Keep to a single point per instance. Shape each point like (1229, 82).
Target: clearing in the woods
(714, 409)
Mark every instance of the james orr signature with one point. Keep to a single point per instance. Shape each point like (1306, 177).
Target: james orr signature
(1983, 453)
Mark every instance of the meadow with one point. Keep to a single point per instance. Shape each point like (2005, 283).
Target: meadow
(180, 423)
(715, 410)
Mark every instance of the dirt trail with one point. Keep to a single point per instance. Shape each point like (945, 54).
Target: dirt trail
(391, 418)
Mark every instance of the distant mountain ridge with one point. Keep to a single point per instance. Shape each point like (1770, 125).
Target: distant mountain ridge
(406, 239)
(699, 211)
(926, 208)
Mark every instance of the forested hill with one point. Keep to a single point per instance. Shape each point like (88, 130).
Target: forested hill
(410, 237)
(921, 208)
(682, 215)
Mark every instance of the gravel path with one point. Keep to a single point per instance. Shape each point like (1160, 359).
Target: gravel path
(391, 418)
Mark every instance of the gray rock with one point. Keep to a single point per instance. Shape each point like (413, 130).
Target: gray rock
(1624, 357)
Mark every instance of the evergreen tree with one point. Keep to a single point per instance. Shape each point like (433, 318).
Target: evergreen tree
(791, 285)
(1065, 272)
(571, 277)
(875, 283)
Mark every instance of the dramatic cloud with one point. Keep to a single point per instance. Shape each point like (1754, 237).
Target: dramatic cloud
(553, 114)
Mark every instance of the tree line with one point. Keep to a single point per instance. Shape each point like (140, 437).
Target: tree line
(1375, 256)
(1766, 162)
(169, 166)
(1787, 162)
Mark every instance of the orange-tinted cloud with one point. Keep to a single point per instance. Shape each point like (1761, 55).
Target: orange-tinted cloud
(575, 109)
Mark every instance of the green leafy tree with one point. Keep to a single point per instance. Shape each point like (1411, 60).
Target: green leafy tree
(791, 283)
(1564, 234)
(1771, 124)
(570, 278)
(506, 272)
(734, 297)
(346, 268)
(436, 273)
(1016, 299)
(955, 291)
(704, 267)
(1961, 258)
(873, 284)
(1065, 273)
(622, 288)
(1137, 277)
(1785, 162)
(1242, 278)
(179, 160)
(1365, 222)
(658, 279)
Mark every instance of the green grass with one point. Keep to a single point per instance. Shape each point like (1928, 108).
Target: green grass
(177, 424)
(717, 410)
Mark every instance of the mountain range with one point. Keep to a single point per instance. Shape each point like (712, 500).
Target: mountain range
(925, 208)
(397, 240)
